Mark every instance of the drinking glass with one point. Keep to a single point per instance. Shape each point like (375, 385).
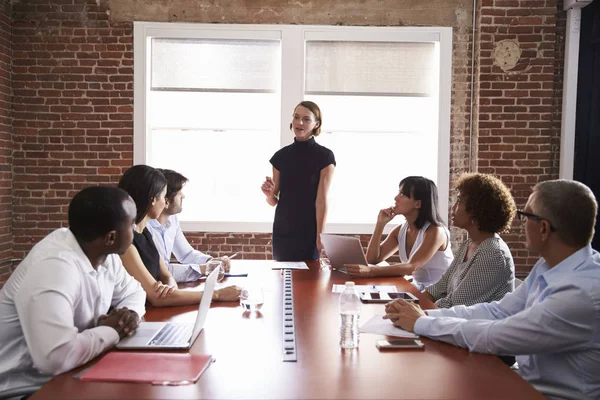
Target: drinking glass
(214, 264)
(324, 261)
(252, 297)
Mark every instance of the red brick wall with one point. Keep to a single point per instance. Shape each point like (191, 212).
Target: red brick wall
(73, 112)
(73, 96)
(73, 99)
(5, 143)
(254, 246)
(519, 108)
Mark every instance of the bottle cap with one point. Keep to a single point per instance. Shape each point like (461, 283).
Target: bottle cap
(349, 284)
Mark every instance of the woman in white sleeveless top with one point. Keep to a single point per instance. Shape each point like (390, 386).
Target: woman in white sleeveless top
(422, 240)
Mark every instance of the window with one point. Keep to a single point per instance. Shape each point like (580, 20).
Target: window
(214, 102)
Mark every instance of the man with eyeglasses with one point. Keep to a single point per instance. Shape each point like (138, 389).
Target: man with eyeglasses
(552, 321)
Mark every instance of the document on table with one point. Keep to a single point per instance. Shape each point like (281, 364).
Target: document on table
(289, 265)
(382, 326)
(366, 288)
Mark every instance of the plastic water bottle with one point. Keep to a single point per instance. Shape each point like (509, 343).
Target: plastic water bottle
(349, 314)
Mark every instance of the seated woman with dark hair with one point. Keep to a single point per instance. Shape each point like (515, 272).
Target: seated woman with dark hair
(422, 241)
(147, 187)
(483, 269)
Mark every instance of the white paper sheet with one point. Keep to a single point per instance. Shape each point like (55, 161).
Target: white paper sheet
(289, 265)
(381, 326)
(365, 288)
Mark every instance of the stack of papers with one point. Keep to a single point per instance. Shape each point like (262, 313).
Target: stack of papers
(366, 288)
(289, 265)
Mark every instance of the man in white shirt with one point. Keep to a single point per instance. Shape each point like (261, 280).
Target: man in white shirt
(54, 309)
(551, 322)
(168, 236)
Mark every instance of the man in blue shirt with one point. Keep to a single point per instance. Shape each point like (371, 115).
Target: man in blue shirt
(552, 321)
(168, 236)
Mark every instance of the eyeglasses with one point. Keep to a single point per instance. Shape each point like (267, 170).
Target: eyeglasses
(522, 215)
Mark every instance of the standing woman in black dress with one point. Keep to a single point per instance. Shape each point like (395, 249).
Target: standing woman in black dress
(302, 174)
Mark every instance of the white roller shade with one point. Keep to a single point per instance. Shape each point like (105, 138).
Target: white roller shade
(382, 68)
(215, 65)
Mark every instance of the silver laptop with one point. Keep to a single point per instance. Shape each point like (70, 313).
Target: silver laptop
(343, 250)
(172, 335)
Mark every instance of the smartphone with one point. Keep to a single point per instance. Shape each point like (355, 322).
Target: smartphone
(384, 297)
(400, 344)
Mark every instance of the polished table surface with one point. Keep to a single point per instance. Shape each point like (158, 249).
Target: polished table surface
(248, 353)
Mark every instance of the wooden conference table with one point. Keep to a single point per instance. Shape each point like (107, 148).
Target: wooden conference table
(248, 352)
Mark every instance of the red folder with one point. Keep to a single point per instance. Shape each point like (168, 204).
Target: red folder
(155, 368)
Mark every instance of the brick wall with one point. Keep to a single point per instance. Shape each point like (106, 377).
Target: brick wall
(5, 142)
(73, 99)
(519, 105)
(73, 96)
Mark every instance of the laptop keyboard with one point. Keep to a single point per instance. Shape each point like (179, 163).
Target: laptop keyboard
(173, 335)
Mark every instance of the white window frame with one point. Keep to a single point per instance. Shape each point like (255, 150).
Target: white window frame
(293, 38)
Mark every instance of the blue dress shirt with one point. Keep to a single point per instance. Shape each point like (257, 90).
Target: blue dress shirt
(551, 323)
(169, 239)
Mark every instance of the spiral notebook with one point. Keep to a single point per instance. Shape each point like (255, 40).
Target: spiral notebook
(155, 368)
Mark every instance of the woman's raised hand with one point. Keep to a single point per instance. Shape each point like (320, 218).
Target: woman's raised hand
(268, 187)
(386, 215)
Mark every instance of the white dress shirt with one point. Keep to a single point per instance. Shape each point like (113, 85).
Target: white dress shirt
(49, 309)
(169, 239)
(551, 323)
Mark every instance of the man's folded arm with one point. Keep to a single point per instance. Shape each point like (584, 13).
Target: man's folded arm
(559, 323)
(510, 304)
(185, 253)
(54, 342)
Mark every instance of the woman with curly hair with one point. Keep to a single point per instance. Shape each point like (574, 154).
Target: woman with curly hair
(483, 269)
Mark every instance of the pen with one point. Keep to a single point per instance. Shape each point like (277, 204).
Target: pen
(234, 255)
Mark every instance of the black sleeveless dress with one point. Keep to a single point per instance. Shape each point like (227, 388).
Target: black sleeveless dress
(295, 224)
(145, 246)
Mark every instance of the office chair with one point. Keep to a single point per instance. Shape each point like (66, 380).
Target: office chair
(558, 393)
(17, 393)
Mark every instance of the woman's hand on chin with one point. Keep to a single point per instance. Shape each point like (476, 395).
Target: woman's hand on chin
(386, 215)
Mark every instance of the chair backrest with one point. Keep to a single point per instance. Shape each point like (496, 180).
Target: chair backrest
(17, 393)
